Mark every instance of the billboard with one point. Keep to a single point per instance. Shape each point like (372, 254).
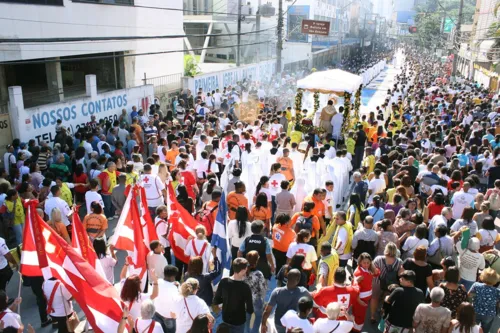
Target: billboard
(295, 16)
(448, 26)
(312, 27)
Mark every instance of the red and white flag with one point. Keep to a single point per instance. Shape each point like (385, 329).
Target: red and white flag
(43, 247)
(81, 242)
(183, 225)
(129, 233)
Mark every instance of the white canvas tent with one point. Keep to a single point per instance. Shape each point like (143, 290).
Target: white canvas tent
(334, 81)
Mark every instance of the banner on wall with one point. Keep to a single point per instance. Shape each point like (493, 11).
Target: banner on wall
(39, 122)
(262, 71)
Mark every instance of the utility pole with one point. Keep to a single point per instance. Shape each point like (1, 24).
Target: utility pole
(238, 52)
(341, 28)
(458, 36)
(257, 28)
(374, 34)
(279, 44)
(363, 38)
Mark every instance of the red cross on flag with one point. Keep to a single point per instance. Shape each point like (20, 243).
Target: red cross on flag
(44, 249)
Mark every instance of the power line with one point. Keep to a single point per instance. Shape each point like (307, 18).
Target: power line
(91, 39)
(122, 55)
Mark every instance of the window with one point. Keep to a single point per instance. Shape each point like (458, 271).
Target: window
(108, 2)
(37, 2)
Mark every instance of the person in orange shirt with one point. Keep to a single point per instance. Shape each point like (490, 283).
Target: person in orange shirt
(137, 132)
(283, 235)
(307, 220)
(286, 165)
(213, 207)
(319, 207)
(171, 155)
(235, 199)
(260, 211)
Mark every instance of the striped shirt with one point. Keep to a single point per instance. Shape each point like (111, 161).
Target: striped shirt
(380, 263)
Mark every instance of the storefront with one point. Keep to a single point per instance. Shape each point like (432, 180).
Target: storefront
(486, 77)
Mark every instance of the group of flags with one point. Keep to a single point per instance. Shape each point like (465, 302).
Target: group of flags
(78, 268)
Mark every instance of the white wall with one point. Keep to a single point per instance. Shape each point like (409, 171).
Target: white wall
(293, 52)
(90, 20)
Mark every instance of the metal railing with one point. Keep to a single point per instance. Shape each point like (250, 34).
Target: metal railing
(166, 83)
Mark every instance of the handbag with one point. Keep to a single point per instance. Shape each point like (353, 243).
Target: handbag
(72, 321)
(436, 257)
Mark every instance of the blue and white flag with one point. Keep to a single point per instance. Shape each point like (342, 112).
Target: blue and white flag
(220, 241)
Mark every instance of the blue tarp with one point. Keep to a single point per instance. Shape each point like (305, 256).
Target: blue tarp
(406, 17)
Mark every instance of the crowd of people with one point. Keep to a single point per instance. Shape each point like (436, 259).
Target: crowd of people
(396, 228)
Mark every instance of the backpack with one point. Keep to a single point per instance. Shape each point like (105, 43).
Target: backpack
(494, 200)
(304, 223)
(390, 277)
(205, 217)
(364, 246)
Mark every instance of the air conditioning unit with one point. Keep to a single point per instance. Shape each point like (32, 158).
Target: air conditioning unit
(267, 10)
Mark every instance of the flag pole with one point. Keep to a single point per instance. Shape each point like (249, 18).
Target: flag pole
(19, 292)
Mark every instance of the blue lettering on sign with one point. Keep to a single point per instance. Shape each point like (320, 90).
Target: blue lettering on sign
(208, 83)
(68, 113)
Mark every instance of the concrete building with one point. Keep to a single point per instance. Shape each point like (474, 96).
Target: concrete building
(52, 72)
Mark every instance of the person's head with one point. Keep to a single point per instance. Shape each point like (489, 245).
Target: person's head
(366, 262)
(407, 278)
(391, 250)
(326, 249)
(294, 277)
(261, 200)
(420, 253)
(308, 206)
(474, 244)
(195, 266)
(297, 261)
(240, 266)
(340, 275)
(189, 287)
(303, 236)
(55, 215)
(100, 247)
(282, 219)
(96, 207)
(200, 231)
(489, 276)
(147, 309)
(437, 295)
(452, 274)
(253, 258)
(305, 306)
(340, 217)
(333, 310)
(131, 288)
(201, 324)
(466, 317)
(257, 227)
(421, 231)
(170, 272)
(488, 223)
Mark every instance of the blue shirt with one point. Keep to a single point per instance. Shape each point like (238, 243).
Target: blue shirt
(379, 213)
(463, 160)
(130, 146)
(486, 298)
(134, 114)
(360, 189)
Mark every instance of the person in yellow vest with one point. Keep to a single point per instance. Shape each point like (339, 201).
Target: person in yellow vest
(296, 135)
(369, 160)
(354, 210)
(327, 266)
(132, 176)
(108, 180)
(342, 238)
(66, 194)
(286, 165)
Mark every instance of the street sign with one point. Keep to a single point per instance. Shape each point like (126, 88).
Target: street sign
(449, 24)
(313, 27)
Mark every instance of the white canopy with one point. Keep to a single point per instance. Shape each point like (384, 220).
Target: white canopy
(333, 81)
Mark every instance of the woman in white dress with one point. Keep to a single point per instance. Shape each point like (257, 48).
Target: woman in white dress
(299, 191)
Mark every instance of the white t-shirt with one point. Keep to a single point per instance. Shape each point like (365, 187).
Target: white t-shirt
(267, 191)
(468, 263)
(153, 186)
(143, 325)
(233, 233)
(56, 202)
(377, 186)
(326, 325)
(184, 319)
(462, 223)
(167, 297)
(90, 197)
(459, 201)
(11, 319)
(412, 243)
(162, 227)
(61, 302)
(343, 237)
(291, 320)
(307, 250)
(205, 255)
(488, 237)
(275, 183)
(108, 264)
(156, 262)
(135, 311)
(3, 251)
